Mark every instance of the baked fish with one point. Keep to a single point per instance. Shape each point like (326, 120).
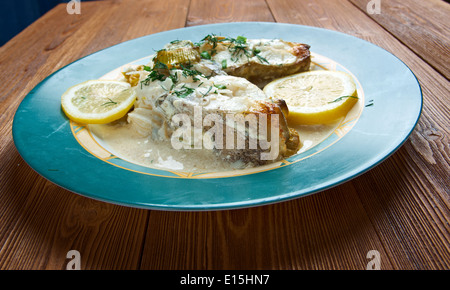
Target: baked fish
(208, 95)
(227, 114)
(258, 60)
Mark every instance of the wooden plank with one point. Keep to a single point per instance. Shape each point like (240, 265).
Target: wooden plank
(423, 26)
(406, 198)
(206, 11)
(323, 231)
(400, 208)
(41, 222)
(308, 233)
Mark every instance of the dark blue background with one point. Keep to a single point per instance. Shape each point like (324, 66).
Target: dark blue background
(16, 15)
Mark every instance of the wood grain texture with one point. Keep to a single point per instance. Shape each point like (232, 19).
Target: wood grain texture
(421, 25)
(41, 222)
(400, 208)
(218, 11)
(414, 181)
(328, 230)
(309, 233)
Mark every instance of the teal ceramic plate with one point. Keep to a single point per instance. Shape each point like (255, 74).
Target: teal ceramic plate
(389, 107)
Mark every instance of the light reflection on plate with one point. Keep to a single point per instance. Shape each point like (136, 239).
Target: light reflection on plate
(45, 138)
(331, 134)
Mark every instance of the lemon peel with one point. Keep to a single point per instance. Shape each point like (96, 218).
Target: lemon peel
(98, 101)
(315, 97)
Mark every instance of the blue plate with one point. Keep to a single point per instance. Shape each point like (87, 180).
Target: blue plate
(391, 107)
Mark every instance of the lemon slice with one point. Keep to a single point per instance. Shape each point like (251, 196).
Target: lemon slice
(315, 97)
(98, 101)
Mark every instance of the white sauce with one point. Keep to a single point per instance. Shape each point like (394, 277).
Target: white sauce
(126, 144)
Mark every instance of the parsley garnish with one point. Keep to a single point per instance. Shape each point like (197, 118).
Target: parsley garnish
(341, 98)
(213, 39)
(224, 64)
(256, 52)
(184, 92)
(110, 102)
(205, 55)
(221, 87)
(207, 92)
(238, 47)
(188, 72)
(174, 79)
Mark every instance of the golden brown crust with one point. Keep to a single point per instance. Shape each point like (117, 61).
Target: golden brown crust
(289, 141)
(261, 73)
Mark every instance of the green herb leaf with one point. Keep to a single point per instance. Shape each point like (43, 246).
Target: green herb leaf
(241, 39)
(341, 98)
(187, 71)
(261, 59)
(205, 55)
(184, 92)
(174, 79)
(221, 87)
(212, 38)
(111, 102)
(207, 91)
(160, 65)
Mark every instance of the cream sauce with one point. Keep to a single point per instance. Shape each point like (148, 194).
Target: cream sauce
(123, 142)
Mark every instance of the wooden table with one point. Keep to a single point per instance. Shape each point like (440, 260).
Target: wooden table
(400, 208)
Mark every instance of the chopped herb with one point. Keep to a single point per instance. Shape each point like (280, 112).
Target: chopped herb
(224, 64)
(153, 76)
(205, 55)
(207, 92)
(187, 71)
(261, 59)
(241, 39)
(159, 51)
(256, 52)
(174, 79)
(160, 65)
(184, 92)
(162, 87)
(175, 41)
(213, 39)
(238, 47)
(221, 87)
(147, 68)
(341, 98)
(111, 102)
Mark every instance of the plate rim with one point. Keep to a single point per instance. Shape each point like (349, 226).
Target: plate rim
(354, 173)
